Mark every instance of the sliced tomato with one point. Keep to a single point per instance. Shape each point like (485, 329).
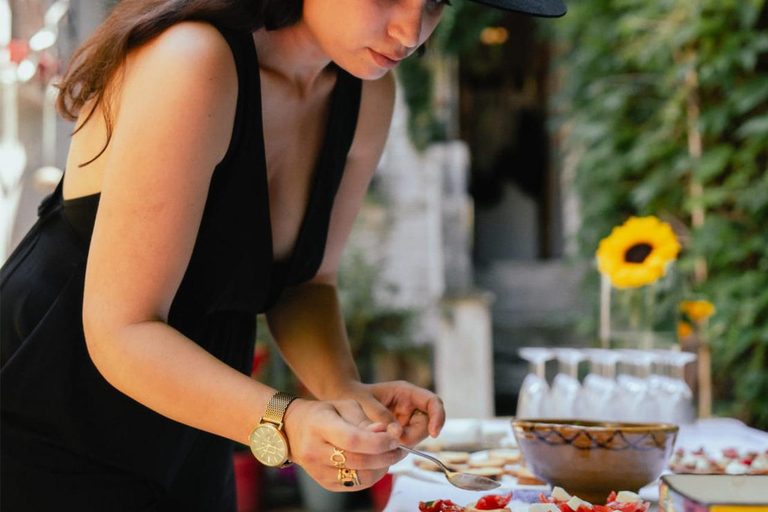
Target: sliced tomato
(611, 497)
(493, 501)
(563, 506)
(627, 507)
(440, 506)
(428, 506)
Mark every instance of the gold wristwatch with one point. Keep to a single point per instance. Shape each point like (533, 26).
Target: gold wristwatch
(268, 442)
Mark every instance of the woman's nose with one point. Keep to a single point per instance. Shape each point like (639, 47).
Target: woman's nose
(405, 24)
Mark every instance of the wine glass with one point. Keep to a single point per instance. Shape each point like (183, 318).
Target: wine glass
(638, 401)
(597, 399)
(566, 386)
(681, 396)
(534, 390)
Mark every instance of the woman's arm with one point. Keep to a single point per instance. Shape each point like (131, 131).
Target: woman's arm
(177, 98)
(307, 323)
(176, 112)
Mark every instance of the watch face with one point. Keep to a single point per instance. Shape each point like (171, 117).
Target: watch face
(268, 445)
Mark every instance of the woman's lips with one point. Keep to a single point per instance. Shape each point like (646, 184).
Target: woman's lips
(383, 61)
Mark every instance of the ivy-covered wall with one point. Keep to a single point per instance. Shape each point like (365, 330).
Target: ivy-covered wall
(664, 106)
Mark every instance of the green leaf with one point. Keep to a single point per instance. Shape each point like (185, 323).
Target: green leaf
(755, 127)
(714, 120)
(750, 95)
(713, 162)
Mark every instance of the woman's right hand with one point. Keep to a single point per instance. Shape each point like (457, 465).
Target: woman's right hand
(315, 428)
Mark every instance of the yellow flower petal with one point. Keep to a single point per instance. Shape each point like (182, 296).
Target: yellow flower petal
(684, 330)
(697, 310)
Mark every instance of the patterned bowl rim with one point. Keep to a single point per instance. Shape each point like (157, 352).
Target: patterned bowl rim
(594, 426)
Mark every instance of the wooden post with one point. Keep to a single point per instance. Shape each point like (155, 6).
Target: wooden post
(695, 149)
(696, 192)
(704, 363)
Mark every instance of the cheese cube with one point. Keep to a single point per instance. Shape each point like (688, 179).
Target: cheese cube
(736, 468)
(575, 502)
(702, 465)
(560, 495)
(628, 497)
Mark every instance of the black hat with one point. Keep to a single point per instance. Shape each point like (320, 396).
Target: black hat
(544, 8)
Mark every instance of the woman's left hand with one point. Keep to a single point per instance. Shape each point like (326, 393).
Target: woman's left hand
(411, 413)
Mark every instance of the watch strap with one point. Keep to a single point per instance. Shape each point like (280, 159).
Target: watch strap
(277, 406)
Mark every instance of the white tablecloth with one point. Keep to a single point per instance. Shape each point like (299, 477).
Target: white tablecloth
(411, 486)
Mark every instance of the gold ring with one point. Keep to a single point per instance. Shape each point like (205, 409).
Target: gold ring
(348, 477)
(418, 412)
(338, 458)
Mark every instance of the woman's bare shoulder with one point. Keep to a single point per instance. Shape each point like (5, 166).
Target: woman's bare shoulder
(187, 40)
(192, 56)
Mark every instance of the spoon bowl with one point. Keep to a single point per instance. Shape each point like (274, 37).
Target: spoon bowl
(460, 480)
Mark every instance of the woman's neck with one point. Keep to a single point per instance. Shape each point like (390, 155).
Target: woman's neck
(294, 54)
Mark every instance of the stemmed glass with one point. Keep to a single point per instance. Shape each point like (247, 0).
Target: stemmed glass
(663, 387)
(534, 391)
(597, 399)
(637, 398)
(566, 386)
(681, 396)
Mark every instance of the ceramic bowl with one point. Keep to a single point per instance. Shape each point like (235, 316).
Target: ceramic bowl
(590, 459)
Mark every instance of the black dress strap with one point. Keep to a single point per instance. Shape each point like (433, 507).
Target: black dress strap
(51, 199)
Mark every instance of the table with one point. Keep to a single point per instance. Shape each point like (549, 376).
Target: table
(411, 486)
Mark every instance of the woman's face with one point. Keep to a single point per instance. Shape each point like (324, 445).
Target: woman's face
(369, 37)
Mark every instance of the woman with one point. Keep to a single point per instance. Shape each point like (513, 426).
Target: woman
(221, 152)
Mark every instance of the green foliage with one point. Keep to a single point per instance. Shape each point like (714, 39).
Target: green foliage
(459, 30)
(457, 34)
(372, 328)
(636, 76)
(369, 323)
(417, 77)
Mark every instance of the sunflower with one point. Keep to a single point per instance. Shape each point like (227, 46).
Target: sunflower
(684, 330)
(697, 310)
(637, 252)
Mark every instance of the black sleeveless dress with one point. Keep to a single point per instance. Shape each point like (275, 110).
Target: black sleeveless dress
(68, 439)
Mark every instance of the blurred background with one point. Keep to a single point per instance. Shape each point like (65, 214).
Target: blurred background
(517, 145)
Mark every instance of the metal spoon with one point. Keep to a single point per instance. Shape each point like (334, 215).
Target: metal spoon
(460, 480)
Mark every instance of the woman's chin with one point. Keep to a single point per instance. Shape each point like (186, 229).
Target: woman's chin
(367, 73)
(364, 70)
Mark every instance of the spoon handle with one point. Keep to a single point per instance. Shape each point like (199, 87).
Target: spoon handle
(428, 457)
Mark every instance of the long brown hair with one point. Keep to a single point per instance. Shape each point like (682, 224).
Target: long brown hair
(133, 23)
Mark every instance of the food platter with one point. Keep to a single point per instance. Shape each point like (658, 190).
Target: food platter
(501, 464)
